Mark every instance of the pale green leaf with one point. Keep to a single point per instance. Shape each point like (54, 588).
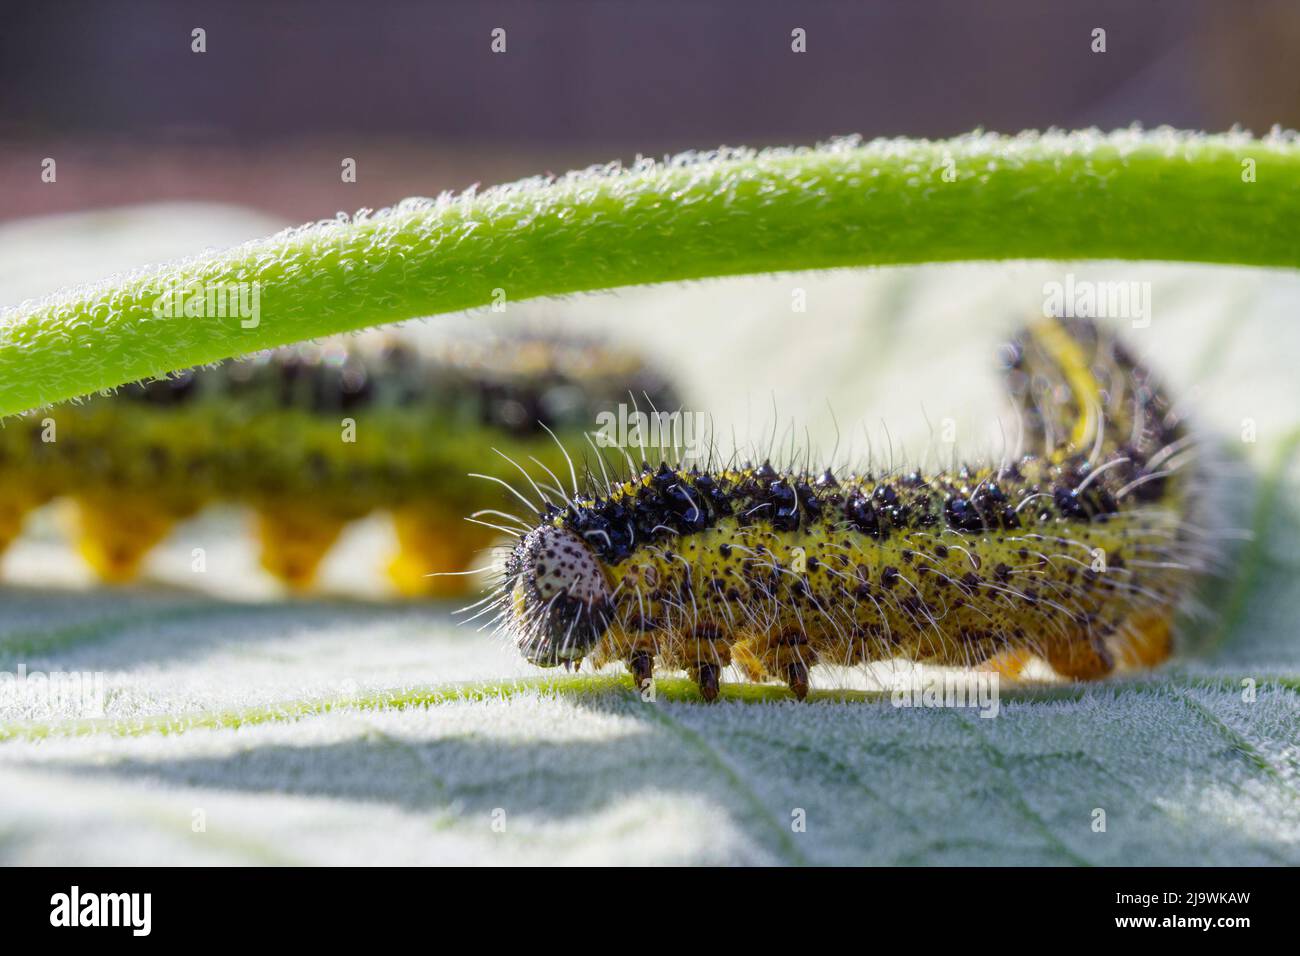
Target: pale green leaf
(349, 729)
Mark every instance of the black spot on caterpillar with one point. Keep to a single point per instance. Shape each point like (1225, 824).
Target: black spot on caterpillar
(1077, 554)
(270, 432)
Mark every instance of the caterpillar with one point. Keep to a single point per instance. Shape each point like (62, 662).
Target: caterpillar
(1076, 553)
(312, 437)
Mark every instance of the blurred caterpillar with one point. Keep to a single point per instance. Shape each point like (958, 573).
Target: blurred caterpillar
(312, 437)
(1077, 553)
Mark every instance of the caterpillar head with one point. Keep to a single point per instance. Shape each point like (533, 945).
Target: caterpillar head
(560, 599)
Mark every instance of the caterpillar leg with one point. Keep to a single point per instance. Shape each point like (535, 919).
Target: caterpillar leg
(743, 656)
(115, 531)
(636, 650)
(294, 541)
(787, 655)
(1148, 641)
(796, 678)
(641, 664)
(429, 542)
(1008, 664)
(703, 655)
(706, 675)
(1079, 657)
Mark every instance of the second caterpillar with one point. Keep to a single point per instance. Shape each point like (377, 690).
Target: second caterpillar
(312, 437)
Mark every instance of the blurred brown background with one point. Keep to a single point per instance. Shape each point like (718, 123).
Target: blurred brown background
(413, 92)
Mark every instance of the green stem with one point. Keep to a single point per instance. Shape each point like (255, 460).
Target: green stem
(1127, 195)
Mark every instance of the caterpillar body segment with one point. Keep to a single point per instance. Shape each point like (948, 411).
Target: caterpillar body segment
(310, 438)
(1076, 553)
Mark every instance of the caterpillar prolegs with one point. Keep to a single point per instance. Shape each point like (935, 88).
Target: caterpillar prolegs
(314, 436)
(1076, 551)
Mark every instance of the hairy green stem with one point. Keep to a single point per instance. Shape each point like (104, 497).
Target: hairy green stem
(1162, 195)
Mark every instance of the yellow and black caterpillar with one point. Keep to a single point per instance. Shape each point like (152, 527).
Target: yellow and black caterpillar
(1076, 553)
(312, 437)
